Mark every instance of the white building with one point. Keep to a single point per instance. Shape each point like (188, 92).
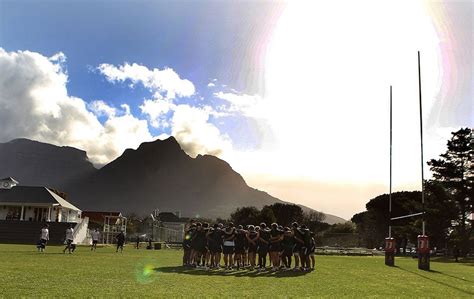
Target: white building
(30, 203)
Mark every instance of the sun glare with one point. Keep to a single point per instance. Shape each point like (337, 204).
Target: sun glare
(328, 71)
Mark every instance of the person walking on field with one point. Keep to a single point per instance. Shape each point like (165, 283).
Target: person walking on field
(137, 242)
(456, 253)
(120, 241)
(69, 240)
(95, 238)
(44, 238)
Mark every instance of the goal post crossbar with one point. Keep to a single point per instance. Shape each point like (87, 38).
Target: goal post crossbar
(407, 216)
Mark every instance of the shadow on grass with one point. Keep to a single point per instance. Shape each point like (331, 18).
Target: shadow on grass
(76, 252)
(462, 261)
(439, 282)
(235, 273)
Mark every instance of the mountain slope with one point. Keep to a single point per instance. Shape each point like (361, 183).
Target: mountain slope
(42, 164)
(157, 174)
(161, 175)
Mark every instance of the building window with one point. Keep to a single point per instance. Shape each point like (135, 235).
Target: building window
(13, 213)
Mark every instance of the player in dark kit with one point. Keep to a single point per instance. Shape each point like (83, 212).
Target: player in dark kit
(214, 239)
(304, 255)
(245, 255)
(239, 246)
(275, 248)
(312, 250)
(263, 242)
(229, 245)
(187, 255)
(206, 257)
(252, 238)
(198, 244)
(120, 241)
(287, 245)
(298, 240)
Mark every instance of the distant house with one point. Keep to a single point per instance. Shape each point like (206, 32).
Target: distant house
(33, 203)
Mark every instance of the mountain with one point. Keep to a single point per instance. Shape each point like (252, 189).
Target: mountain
(35, 163)
(157, 174)
(160, 174)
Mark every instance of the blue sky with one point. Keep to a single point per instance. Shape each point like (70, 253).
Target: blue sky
(200, 40)
(299, 104)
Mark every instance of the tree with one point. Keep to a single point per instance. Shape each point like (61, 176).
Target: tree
(448, 196)
(440, 209)
(365, 226)
(245, 216)
(342, 228)
(372, 225)
(285, 214)
(315, 221)
(454, 170)
(314, 216)
(266, 215)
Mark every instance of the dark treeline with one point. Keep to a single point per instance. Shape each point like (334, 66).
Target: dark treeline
(284, 214)
(281, 213)
(448, 203)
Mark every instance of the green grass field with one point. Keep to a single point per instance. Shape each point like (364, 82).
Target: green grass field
(141, 273)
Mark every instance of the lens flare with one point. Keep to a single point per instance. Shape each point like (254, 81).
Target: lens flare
(145, 272)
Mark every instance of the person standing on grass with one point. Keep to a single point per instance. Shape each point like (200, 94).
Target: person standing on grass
(229, 245)
(304, 256)
(198, 244)
(120, 241)
(239, 247)
(263, 242)
(44, 238)
(245, 255)
(274, 246)
(252, 238)
(69, 240)
(95, 238)
(287, 245)
(206, 253)
(187, 248)
(456, 253)
(298, 240)
(214, 239)
(312, 250)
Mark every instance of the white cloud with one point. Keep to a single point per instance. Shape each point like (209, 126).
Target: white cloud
(100, 108)
(126, 108)
(195, 134)
(249, 105)
(156, 111)
(211, 84)
(190, 125)
(34, 104)
(165, 82)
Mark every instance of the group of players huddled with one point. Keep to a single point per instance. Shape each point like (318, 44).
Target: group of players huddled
(243, 247)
